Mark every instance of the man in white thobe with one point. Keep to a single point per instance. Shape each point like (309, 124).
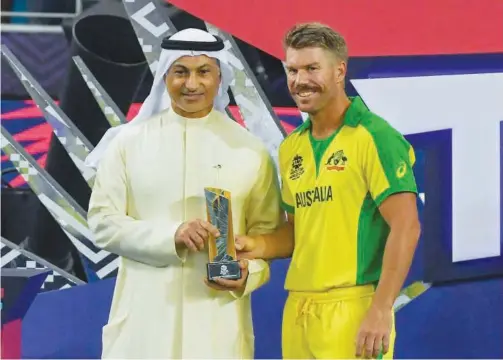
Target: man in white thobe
(148, 206)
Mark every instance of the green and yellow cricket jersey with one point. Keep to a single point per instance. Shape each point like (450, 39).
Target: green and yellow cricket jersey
(334, 187)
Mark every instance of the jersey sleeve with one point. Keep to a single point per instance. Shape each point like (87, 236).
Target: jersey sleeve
(388, 166)
(287, 200)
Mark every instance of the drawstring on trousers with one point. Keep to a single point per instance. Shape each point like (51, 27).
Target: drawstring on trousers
(304, 310)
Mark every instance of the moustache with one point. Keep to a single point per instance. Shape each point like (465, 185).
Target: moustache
(307, 88)
(192, 93)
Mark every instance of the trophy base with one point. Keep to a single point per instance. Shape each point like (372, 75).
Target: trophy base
(224, 270)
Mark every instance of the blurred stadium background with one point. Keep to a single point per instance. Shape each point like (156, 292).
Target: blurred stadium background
(461, 317)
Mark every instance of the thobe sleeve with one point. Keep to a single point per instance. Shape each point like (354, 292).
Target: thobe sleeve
(147, 241)
(263, 215)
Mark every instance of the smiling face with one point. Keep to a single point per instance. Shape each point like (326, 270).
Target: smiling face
(315, 77)
(192, 83)
(316, 62)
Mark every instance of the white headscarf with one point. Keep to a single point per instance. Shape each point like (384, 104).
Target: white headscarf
(158, 100)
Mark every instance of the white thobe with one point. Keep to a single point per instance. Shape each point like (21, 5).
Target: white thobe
(150, 180)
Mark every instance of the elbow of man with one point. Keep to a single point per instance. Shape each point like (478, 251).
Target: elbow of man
(410, 230)
(100, 230)
(414, 228)
(101, 238)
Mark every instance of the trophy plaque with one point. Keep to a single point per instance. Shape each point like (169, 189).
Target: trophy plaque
(222, 251)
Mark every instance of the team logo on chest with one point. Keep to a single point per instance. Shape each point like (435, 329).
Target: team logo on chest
(337, 161)
(297, 169)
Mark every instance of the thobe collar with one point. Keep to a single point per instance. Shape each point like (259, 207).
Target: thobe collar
(189, 121)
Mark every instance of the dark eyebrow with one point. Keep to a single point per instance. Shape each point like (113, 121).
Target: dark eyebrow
(184, 68)
(181, 67)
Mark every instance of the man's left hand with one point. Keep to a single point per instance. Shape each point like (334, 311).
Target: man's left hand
(231, 285)
(374, 334)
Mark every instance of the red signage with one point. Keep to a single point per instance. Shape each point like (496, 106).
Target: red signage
(371, 27)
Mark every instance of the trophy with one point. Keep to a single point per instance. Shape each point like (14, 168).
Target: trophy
(222, 251)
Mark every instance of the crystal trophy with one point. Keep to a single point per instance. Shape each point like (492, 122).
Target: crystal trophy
(222, 251)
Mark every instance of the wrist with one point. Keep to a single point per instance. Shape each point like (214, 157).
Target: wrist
(382, 304)
(260, 246)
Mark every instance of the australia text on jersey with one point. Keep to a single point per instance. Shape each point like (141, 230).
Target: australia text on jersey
(311, 196)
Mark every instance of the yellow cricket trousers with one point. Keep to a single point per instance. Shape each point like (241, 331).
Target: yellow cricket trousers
(324, 325)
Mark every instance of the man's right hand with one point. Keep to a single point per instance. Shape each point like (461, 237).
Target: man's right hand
(276, 245)
(248, 247)
(194, 234)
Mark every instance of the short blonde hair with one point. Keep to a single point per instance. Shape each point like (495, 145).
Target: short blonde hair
(315, 34)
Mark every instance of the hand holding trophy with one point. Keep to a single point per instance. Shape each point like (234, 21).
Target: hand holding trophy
(223, 262)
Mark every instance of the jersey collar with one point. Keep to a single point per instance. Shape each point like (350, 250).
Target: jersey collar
(352, 118)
